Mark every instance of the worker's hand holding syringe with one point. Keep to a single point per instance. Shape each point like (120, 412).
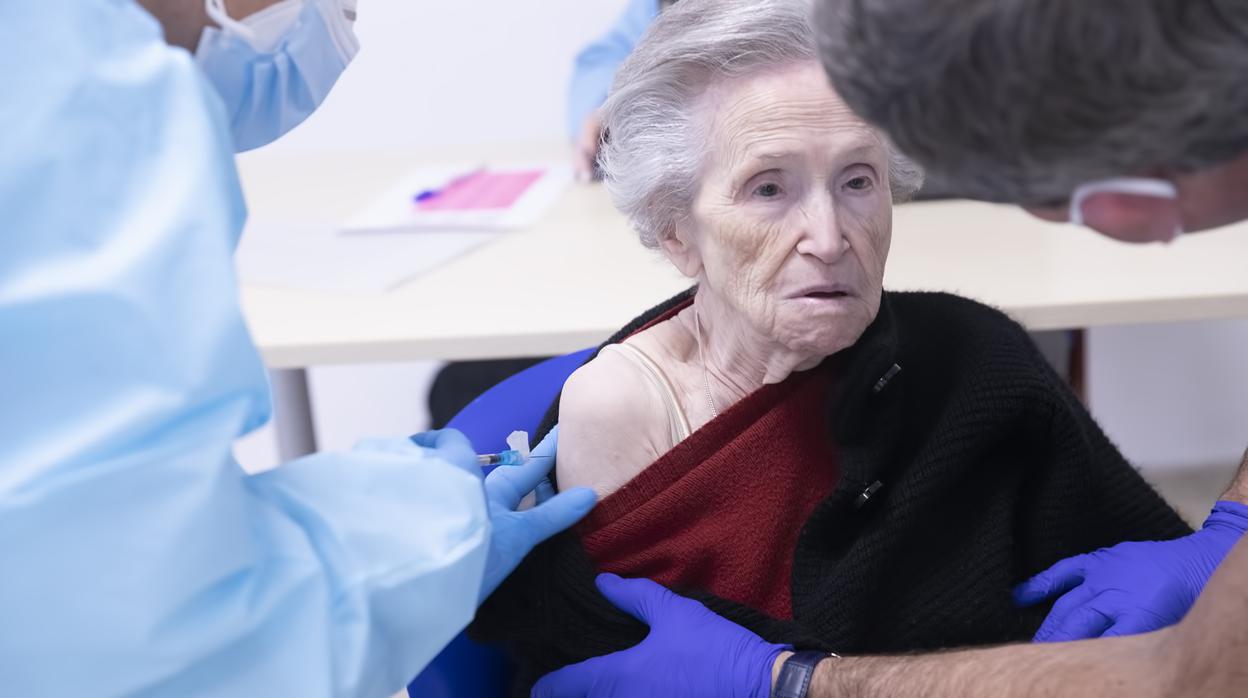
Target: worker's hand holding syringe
(514, 533)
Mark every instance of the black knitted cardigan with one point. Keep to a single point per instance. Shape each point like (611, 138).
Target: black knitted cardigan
(967, 465)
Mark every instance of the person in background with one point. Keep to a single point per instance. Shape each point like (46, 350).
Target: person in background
(1130, 118)
(592, 75)
(138, 557)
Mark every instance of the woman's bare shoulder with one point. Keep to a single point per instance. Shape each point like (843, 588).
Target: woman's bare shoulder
(612, 424)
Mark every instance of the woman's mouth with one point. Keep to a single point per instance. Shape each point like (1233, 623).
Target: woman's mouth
(824, 292)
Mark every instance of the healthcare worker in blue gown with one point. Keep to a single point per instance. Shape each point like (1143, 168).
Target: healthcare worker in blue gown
(136, 557)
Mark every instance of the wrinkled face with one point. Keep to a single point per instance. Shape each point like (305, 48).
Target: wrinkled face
(793, 220)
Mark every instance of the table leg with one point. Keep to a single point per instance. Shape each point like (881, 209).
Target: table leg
(292, 413)
(1077, 372)
(1066, 351)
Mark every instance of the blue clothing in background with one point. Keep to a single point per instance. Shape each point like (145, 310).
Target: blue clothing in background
(136, 557)
(596, 63)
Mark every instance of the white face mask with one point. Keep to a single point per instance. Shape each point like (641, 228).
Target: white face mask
(275, 67)
(1133, 186)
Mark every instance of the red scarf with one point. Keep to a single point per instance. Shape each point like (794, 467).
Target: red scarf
(721, 512)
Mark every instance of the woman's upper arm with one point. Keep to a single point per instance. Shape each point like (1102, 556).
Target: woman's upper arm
(612, 424)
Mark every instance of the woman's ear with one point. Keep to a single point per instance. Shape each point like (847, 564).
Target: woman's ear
(680, 248)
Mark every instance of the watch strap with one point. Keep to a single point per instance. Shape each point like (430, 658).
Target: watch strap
(796, 674)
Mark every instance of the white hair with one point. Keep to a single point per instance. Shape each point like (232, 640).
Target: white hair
(655, 144)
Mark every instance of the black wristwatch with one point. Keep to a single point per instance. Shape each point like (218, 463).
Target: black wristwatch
(796, 673)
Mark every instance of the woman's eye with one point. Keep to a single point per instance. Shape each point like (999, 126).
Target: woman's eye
(860, 183)
(768, 191)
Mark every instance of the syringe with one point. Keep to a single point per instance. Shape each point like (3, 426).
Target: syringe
(508, 457)
(518, 454)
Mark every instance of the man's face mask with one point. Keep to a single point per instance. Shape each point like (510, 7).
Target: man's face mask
(275, 67)
(1131, 209)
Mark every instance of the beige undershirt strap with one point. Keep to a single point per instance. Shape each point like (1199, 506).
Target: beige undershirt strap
(677, 421)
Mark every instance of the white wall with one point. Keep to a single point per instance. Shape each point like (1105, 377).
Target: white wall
(482, 71)
(467, 71)
(1172, 395)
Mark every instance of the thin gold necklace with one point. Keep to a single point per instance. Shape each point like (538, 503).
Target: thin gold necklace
(706, 380)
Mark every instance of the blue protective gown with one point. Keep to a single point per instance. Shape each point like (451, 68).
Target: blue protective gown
(136, 557)
(595, 66)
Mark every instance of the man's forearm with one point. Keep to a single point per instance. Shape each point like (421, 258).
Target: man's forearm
(1202, 655)
(1095, 668)
(1238, 491)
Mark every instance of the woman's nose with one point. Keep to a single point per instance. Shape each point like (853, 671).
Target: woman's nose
(822, 236)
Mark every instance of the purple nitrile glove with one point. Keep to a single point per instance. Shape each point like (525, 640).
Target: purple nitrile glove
(1132, 587)
(689, 653)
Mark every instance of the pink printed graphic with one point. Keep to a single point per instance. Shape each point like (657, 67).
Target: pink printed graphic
(482, 191)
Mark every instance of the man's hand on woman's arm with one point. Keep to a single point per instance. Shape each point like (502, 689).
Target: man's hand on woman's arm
(690, 652)
(702, 654)
(1202, 655)
(1133, 587)
(1137, 587)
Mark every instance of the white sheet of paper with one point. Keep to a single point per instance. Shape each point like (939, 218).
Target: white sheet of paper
(321, 258)
(395, 211)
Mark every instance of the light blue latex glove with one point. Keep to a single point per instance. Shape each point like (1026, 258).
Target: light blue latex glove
(516, 532)
(1132, 587)
(690, 652)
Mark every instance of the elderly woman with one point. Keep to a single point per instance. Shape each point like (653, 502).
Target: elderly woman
(826, 463)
